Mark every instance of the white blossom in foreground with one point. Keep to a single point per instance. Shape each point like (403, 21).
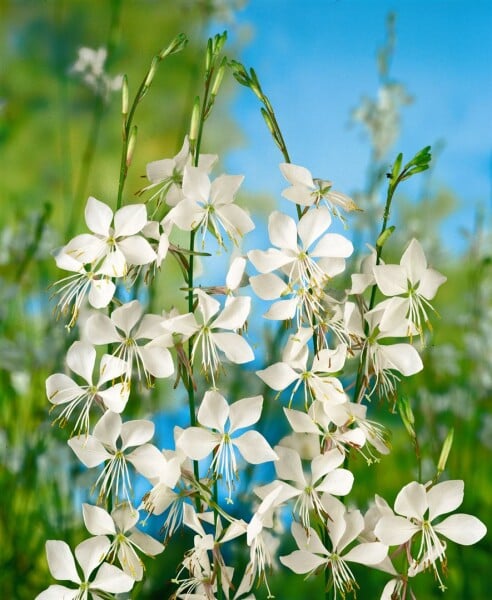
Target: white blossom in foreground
(89, 554)
(412, 281)
(114, 239)
(343, 528)
(73, 289)
(419, 507)
(62, 390)
(210, 205)
(305, 256)
(126, 327)
(127, 539)
(103, 447)
(216, 437)
(166, 175)
(307, 191)
(211, 337)
(307, 487)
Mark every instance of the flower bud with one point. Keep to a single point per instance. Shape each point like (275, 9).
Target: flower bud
(131, 145)
(124, 96)
(446, 449)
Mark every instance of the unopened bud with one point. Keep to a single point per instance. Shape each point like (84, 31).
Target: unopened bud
(176, 45)
(195, 121)
(124, 96)
(446, 449)
(218, 78)
(407, 416)
(131, 145)
(153, 68)
(383, 238)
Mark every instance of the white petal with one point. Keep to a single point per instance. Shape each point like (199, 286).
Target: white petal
(234, 314)
(224, 188)
(61, 389)
(187, 215)
(391, 279)
(89, 450)
(235, 347)
(158, 170)
(98, 216)
(207, 305)
(278, 376)
(254, 448)
(213, 411)
(462, 529)
(411, 501)
(394, 531)
(196, 184)
(90, 553)
(289, 466)
(269, 260)
(245, 412)
(129, 220)
(147, 460)
(369, 553)
(137, 250)
(125, 317)
(235, 273)
(197, 443)
(86, 248)
(146, 543)
(111, 367)
(135, 433)
(313, 224)
(301, 561)
(81, 357)
(282, 310)
(125, 516)
(157, 360)
(60, 561)
(235, 220)
(282, 231)
(429, 283)
(268, 286)
(116, 397)
(99, 329)
(333, 245)
(300, 421)
(111, 579)
(339, 482)
(101, 292)
(445, 497)
(97, 520)
(414, 261)
(295, 174)
(108, 428)
(58, 592)
(114, 264)
(299, 194)
(402, 357)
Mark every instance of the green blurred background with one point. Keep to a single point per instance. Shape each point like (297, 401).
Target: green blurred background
(59, 142)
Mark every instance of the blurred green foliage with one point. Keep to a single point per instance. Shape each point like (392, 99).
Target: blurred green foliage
(59, 143)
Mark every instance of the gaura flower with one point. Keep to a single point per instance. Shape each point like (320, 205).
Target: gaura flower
(114, 239)
(103, 447)
(127, 539)
(63, 390)
(217, 438)
(417, 507)
(90, 555)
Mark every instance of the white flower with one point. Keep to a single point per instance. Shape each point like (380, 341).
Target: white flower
(413, 280)
(307, 488)
(98, 287)
(307, 265)
(151, 358)
(120, 525)
(214, 437)
(208, 205)
(419, 508)
(343, 528)
(382, 360)
(89, 554)
(317, 381)
(306, 191)
(167, 174)
(90, 65)
(102, 447)
(117, 245)
(63, 390)
(210, 338)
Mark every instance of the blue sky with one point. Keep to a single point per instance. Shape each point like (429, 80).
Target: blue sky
(316, 59)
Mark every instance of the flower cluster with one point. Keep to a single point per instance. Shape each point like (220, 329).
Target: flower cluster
(345, 346)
